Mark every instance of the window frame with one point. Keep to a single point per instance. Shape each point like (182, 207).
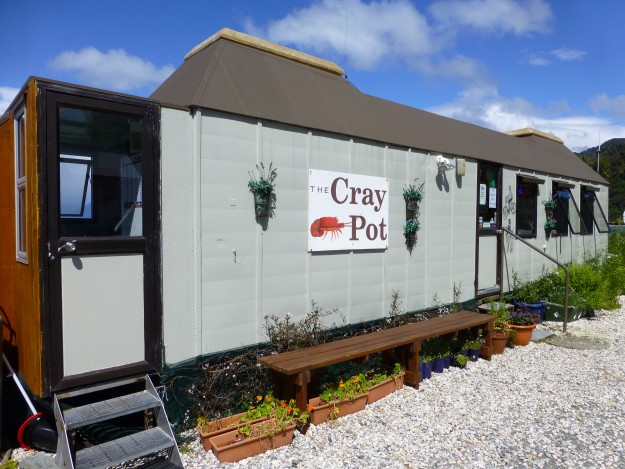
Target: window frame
(523, 180)
(585, 191)
(566, 209)
(21, 201)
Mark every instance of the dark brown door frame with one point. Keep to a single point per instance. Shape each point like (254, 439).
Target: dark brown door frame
(52, 95)
(497, 230)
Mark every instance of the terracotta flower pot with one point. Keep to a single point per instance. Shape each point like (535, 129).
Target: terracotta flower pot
(228, 447)
(384, 388)
(219, 426)
(499, 341)
(323, 412)
(523, 333)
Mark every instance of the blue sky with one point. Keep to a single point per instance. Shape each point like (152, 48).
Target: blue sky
(504, 64)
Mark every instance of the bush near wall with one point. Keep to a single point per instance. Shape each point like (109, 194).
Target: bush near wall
(595, 284)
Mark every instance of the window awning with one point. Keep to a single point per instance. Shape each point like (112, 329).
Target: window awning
(565, 185)
(532, 180)
(591, 188)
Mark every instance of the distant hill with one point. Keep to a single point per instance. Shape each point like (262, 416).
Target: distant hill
(611, 167)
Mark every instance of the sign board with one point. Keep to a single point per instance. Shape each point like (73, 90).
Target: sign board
(347, 211)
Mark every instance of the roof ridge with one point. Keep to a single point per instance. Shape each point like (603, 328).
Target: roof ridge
(266, 46)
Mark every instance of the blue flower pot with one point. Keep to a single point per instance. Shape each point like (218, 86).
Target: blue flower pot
(447, 360)
(473, 354)
(427, 370)
(438, 365)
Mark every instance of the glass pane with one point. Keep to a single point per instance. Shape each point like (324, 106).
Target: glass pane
(487, 197)
(21, 147)
(599, 216)
(586, 210)
(99, 173)
(22, 220)
(75, 176)
(526, 210)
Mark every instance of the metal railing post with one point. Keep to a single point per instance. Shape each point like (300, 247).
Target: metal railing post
(552, 259)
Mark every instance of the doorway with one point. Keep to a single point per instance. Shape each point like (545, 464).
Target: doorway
(488, 255)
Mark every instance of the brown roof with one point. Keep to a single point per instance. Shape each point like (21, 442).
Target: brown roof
(240, 78)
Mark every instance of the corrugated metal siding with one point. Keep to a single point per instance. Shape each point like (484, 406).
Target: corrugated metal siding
(224, 271)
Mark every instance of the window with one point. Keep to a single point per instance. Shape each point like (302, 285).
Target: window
(100, 183)
(488, 181)
(526, 211)
(590, 216)
(20, 186)
(566, 214)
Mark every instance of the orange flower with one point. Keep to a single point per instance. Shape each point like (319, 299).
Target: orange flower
(289, 410)
(283, 404)
(309, 408)
(259, 398)
(292, 402)
(268, 398)
(356, 379)
(341, 384)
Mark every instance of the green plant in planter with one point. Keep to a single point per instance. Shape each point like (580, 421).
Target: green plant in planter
(522, 317)
(279, 414)
(411, 227)
(550, 204)
(550, 225)
(262, 186)
(462, 360)
(413, 195)
(346, 389)
(473, 344)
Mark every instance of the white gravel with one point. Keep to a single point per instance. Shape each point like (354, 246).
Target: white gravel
(534, 406)
(537, 406)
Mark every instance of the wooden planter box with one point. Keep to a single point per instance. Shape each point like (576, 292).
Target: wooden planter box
(229, 448)
(323, 412)
(219, 426)
(385, 388)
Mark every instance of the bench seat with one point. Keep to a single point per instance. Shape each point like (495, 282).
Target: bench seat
(290, 371)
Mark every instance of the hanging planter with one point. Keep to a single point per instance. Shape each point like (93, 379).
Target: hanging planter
(262, 186)
(550, 226)
(550, 205)
(413, 195)
(410, 231)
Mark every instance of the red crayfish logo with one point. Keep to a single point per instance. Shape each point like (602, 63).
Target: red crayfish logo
(324, 225)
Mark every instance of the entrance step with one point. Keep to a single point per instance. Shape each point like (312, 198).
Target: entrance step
(110, 405)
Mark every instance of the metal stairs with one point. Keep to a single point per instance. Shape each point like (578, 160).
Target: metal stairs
(111, 411)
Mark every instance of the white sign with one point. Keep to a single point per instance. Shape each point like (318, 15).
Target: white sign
(347, 211)
(482, 194)
(492, 198)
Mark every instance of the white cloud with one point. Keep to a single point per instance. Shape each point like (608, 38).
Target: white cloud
(538, 61)
(366, 32)
(568, 55)
(615, 106)
(6, 97)
(486, 107)
(114, 69)
(495, 16)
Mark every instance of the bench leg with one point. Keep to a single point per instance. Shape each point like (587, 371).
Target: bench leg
(413, 377)
(486, 351)
(301, 389)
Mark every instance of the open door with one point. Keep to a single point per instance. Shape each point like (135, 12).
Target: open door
(488, 252)
(102, 234)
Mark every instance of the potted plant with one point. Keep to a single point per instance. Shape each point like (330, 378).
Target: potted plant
(550, 226)
(210, 428)
(426, 364)
(472, 346)
(262, 185)
(380, 385)
(280, 418)
(410, 230)
(523, 322)
(347, 397)
(550, 205)
(501, 330)
(413, 195)
(461, 360)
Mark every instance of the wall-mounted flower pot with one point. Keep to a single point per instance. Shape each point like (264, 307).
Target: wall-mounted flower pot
(384, 388)
(228, 447)
(320, 413)
(262, 206)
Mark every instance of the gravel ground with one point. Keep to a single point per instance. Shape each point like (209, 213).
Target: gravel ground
(535, 406)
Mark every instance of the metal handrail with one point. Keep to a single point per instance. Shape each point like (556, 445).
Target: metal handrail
(503, 231)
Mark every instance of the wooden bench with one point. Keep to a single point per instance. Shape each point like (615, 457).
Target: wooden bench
(291, 371)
